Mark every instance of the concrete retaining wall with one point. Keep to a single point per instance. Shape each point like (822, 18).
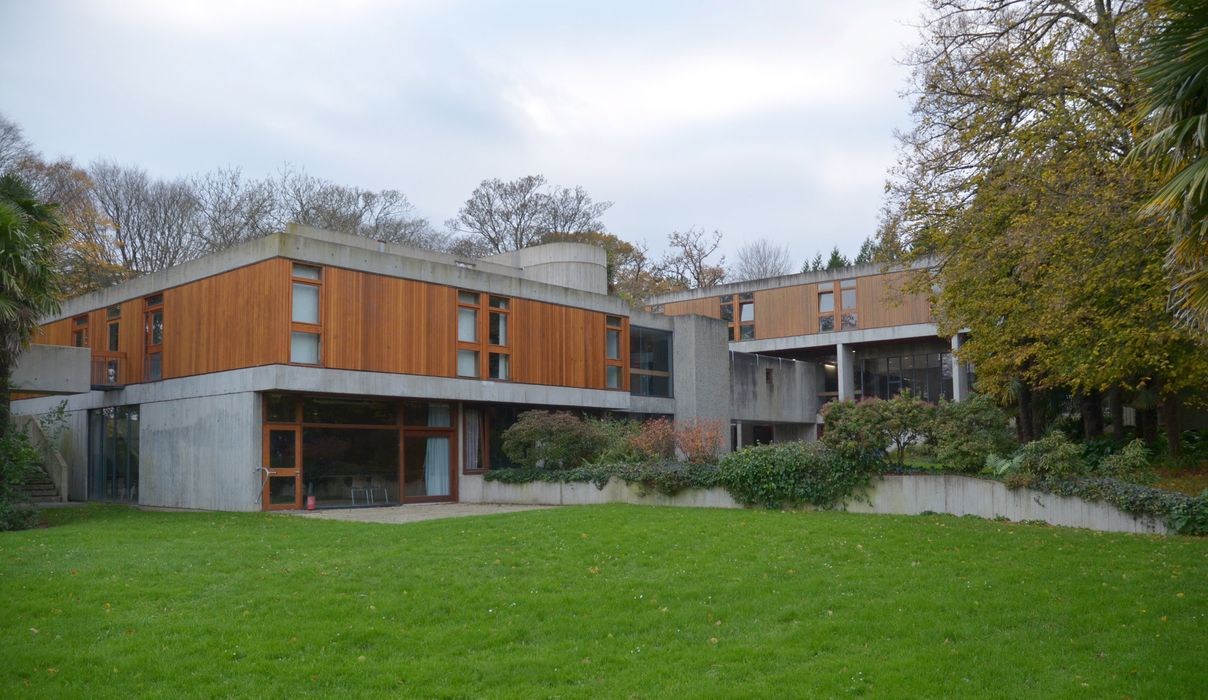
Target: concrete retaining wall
(896, 495)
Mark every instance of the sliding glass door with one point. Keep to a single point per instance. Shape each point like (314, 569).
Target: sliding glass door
(113, 454)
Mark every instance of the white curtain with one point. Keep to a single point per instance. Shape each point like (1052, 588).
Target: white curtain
(473, 452)
(436, 466)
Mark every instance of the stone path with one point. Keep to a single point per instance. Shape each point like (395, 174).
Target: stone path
(411, 513)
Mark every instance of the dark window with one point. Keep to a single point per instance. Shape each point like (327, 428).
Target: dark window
(649, 362)
(348, 411)
(113, 454)
(282, 408)
(114, 336)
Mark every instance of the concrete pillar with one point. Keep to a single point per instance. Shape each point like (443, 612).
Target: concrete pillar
(737, 435)
(846, 369)
(960, 388)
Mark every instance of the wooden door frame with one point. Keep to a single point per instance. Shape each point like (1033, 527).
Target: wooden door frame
(269, 472)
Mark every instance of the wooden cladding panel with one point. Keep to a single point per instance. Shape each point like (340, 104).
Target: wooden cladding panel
(785, 311)
(385, 324)
(558, 345)
(708, 306)
(231, 320)
(56, 333)
(130, 340)
(880, 302)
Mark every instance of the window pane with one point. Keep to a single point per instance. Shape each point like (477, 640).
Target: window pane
(746, 312)
(350, 466)
(81, 338)
(467, 363)
(747, 296)
(282, 490)
(498, 366)
(498, 334)
(614, 321)
(472, 442)
(155, 370)
(612, 345)
(304, 348)
(849, 298)
(114, 336)
(499, 303)
(348, 411)
(727, 298)
(650, 349)
(826, 323)
(849, 321)
(306, 303)
(730, 332)
(427, 415)
(426, 466)
(826, 302)
(157, 328)
(746, 332)
(307, 272)
(847, 284)
(467, 298)
(155, 300)
(614, 377)
(282, 408)
(727, 312)
(113, 312)
(467, 325)
(282, 448)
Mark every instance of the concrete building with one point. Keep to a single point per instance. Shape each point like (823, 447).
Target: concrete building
(310, 367)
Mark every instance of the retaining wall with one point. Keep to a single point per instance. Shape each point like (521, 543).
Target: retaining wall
(894, 494)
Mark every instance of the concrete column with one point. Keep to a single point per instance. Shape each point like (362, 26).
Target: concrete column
(846, 369)
(737, 435)
(960, 388)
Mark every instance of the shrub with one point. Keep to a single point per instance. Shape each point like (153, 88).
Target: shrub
(1051, 458)
(1186, 515)
(906, 419)
(655, 440)
(967, 432)
(19, 462)
(663, 476)
(558, 440)
(700, 439)
(791, 474)
(616, 440)
(1130, 464)
(855, 430)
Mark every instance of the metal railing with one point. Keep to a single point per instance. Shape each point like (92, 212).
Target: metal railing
(108, 370)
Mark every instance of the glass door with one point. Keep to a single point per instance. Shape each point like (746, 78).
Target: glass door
(282, 472)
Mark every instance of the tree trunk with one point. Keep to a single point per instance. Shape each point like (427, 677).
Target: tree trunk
(1170, 416)
(1025, 414)
(1092, 414)
(1039, 415)
(1147, 424)
(1116, 406)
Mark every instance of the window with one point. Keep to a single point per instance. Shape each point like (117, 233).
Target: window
(306, 315)
(113, 317)
(738, 310)
(477, 341)
(153, 337)
(79, 332)
(826, 311)
(614, 369)
(847, 297)
(474, 443)
(113, 454)
(649, 362)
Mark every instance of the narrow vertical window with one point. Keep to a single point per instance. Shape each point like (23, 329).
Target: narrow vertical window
(847, 299)
(306, 315)
(826, 308)
(79, 332)
(738, 311)
(153, 337)
(113, 333)
(469, 335)
(614, 363)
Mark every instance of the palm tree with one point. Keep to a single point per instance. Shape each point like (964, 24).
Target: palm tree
(1176, 107)
(30, 233)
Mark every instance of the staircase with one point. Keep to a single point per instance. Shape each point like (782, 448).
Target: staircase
(40, 489)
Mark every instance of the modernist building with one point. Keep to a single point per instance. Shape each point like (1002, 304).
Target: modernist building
(310, 366)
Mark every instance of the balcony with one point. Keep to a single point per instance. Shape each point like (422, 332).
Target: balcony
(108, 370)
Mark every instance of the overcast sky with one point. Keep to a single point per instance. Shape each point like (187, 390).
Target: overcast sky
(761, 119)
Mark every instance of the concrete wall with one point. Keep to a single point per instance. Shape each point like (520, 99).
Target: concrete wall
(898, 495)
(701, 369)
(53, 369)
(201, 453)
(565, 264)
(790, 397)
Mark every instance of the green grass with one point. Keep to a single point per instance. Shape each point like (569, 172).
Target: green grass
(596, 601)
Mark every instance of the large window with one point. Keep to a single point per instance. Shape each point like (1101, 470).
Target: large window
(614, 362)
(926, 375)
(484, 336)
(306, 328)
(738, 310)
(649, 362)
(113, 454)
(837, 306)
(355, 452)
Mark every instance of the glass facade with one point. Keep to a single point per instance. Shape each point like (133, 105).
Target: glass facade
(113, 454)
(927, 375)
(649, 362)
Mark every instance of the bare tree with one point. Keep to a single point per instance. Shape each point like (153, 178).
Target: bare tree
(233, 209)
(759, 259)
(687, 263)
(150, 224)
(512, 215)
(13, 146)
(386, 215)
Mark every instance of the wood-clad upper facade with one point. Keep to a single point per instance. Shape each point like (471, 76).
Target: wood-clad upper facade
(860, 301)
(258, 314)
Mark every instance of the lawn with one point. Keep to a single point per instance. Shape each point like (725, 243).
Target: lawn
(596, 601)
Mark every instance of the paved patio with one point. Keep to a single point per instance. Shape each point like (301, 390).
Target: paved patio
(411, 513)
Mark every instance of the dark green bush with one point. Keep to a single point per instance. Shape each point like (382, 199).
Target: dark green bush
(1130, 464)
(1052, 457)
(617, 437)
(19, 462)
(966, 432)
(665, 477)
(855, 430)
(558, 440)
(792, 474)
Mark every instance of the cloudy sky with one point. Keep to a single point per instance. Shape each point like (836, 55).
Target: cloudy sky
(761, 119)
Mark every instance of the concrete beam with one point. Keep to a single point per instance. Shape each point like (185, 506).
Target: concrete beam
(820, 340)
(53, 369)
(846, 369)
